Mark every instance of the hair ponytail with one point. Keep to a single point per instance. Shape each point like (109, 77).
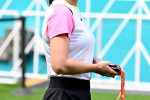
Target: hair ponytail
(50, 2)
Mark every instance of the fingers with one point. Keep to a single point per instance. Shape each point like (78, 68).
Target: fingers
(96, 60)
(105, 63)
(118, 73)
(112, 73)
(105, 70)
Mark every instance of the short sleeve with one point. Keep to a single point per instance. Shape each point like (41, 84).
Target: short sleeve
(61, 21)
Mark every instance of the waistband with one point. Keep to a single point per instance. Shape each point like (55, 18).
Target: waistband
(69, 83)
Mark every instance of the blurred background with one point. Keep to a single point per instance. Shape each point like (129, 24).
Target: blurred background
(121, 29)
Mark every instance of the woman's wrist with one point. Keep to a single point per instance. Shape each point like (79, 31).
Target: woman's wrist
(94, 68)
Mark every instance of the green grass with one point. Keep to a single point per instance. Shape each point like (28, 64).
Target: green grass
(113, 96)
(6, 93)
(6, 90)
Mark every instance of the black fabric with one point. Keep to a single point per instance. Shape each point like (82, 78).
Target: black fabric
(69, 83)
(67, 89)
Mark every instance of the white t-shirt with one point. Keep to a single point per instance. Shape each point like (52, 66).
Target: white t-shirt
(60, 18)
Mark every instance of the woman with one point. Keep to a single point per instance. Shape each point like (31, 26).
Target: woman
(69, 47)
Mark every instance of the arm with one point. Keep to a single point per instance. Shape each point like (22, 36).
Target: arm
(61, 64)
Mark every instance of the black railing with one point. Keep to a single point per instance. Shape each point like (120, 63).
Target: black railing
(23, 89)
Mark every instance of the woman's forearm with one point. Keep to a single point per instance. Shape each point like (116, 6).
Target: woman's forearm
(71, 67)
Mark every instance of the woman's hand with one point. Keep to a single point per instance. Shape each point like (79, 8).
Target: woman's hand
(104, 69)
(96, 60)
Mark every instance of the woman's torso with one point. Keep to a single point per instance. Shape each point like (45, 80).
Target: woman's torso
(82, 41)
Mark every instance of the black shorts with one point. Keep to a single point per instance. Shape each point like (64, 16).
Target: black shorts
(61, 88)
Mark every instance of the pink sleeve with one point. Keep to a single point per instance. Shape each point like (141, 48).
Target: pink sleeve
(60, 22)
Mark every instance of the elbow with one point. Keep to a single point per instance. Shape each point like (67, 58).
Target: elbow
(59, 69)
